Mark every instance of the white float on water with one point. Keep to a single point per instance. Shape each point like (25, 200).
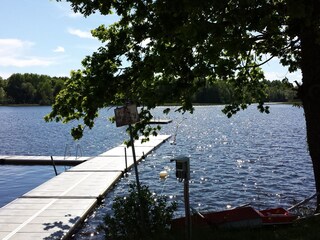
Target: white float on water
(163, 174)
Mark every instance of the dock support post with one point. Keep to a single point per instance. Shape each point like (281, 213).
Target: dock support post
(125, 159)
(54, 166)
(187, 208)
(183, 174)
(141, 206)
(135, 160)
(128, 115)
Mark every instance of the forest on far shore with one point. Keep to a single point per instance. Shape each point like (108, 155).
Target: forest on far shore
(38, 89)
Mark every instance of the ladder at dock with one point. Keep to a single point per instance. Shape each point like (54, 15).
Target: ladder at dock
(54, 209)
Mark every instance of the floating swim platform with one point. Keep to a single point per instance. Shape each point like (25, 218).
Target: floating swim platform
(42, 160)
(160, 121)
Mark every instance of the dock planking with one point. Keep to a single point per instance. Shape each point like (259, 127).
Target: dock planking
(54, 209)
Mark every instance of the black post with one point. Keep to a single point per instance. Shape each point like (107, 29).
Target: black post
(134, 160)
(141, 207)
(187, 208)
(128, 115)
(125, 159)
(54, 166)
(183, 174)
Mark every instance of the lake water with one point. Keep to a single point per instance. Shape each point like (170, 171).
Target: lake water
(254, 158)
(24, 132)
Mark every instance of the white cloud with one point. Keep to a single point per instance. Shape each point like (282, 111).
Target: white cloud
(295, 76)
(24, 62)
(273, 70)
(80, 33)
(274, 75)
(59, 49)
(5, 75)
(9, 46)
(13, 54)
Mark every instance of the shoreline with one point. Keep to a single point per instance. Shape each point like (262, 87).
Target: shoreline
(166, 104)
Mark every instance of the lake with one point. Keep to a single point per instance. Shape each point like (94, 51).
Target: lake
(254, 158)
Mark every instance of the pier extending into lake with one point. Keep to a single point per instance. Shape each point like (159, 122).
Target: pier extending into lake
(54, 209)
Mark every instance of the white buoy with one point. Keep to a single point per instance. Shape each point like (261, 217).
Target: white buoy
(163, 174)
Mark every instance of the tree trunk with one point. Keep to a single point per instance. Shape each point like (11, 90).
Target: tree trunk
(312, 116)
(310, 96)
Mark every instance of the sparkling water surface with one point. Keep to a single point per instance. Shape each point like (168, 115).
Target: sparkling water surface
(254, 158)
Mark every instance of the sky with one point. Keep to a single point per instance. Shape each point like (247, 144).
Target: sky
(47, 37)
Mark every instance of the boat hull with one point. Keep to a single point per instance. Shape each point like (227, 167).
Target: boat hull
(237, 218)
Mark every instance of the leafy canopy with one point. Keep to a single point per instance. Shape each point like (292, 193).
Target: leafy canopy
(165, 50)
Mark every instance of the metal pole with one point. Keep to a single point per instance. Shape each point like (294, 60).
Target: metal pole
(54, 166)
(187, 208)
(141, 207)
(125, 159)
(134, 160)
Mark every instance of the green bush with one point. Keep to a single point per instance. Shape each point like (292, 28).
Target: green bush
(129, 221)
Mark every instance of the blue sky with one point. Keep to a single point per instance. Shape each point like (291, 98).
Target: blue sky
(47, 37)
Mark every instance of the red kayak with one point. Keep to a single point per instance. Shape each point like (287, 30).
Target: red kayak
(238, 217)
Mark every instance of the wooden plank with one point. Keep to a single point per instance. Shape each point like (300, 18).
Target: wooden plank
(141, 149)
(119, 152)
(52, 219)
(54, 209)
(102, 163)
(76, 185)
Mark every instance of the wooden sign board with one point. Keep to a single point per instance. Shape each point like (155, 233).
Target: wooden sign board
(126, 115)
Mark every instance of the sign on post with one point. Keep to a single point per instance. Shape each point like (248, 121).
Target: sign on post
(126, 115)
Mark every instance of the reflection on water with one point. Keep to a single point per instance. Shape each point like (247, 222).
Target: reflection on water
(17, 180)
(250, 158)
(23, 131)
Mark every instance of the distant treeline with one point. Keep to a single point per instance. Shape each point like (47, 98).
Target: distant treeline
(42, 89)
(30, 89)
(222, 92)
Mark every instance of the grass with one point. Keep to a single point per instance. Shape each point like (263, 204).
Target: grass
(303, 229)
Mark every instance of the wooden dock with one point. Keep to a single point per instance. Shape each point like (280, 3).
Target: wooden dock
(54, 209)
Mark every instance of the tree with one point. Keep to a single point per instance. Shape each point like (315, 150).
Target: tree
(162, 49)
(58, 83)
(45, 92)
(157, 212)
(3, 94)
(280, 91)
(14, 88)
(31, 88)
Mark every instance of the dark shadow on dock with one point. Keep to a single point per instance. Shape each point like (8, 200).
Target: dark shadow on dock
(63, 228)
